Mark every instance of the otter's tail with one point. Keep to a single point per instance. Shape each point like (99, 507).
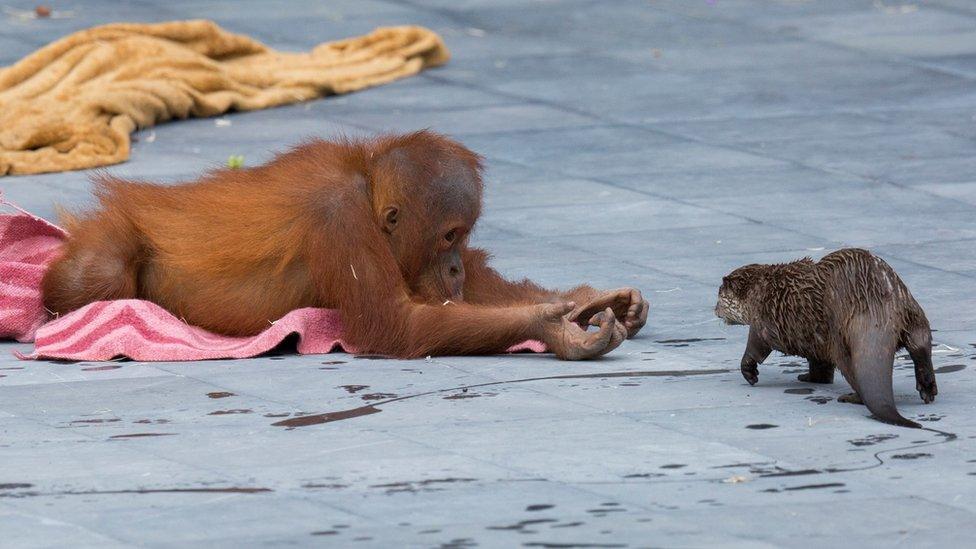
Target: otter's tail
(874, 388)
(872, 357)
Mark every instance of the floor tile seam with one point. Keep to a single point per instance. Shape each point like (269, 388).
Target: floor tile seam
(611, 122)
(24, 512)
(260, 398)
(807, 166)
(899, 257)
(601, 411)
(396, 110)
(141, 451)
(529, 475)
(868, 54)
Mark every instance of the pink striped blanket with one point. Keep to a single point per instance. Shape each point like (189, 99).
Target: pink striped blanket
(130, 328)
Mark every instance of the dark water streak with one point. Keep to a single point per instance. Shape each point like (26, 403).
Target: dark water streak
(328, 417)
(206, 490)
(946, 437)
(691, 340)
(141, 435)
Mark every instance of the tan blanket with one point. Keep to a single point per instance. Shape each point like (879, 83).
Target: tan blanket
(72, 104)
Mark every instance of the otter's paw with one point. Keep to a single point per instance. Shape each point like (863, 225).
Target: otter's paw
(751, 373)
(850, 398)
(811, 378)
(927, 390)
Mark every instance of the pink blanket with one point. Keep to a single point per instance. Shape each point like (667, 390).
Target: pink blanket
(132, 328)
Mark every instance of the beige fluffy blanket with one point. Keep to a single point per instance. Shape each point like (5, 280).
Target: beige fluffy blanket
(72, 104)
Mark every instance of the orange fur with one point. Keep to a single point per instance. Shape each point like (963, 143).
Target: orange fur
(361, 226)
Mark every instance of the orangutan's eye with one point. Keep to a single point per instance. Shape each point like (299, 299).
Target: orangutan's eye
(451, 235)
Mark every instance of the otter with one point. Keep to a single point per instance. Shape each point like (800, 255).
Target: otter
(848, 311)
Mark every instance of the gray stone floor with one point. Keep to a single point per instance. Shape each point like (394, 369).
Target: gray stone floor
(657, 144)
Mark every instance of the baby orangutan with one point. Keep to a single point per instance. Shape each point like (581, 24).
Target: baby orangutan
(377, 229)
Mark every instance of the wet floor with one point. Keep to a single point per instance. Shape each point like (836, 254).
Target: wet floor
(650, 144)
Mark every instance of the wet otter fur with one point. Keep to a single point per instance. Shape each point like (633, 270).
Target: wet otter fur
(849, 310)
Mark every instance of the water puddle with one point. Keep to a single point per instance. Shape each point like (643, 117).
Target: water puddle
(202, 490)
(685, 342)
(797, 473)
(914, 455)
(807, 487)
(871, 440)
(328, 417)
(521, 525)
(142, 435)
(465, 395)
(431, 484)
(378, 396)
(330, 486)
(644, 475)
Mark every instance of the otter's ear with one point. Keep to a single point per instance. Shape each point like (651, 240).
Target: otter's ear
(390, 216)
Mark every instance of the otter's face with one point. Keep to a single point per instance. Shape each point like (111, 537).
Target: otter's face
(731, 306)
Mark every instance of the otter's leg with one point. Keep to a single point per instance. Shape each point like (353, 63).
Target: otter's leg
(844, 365)
(820, 372)
(757, 350)
(918, 341)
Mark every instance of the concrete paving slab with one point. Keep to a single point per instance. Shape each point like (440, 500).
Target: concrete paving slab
(649, 144)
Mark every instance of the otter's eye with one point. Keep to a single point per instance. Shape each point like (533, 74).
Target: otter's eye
(451, 235)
